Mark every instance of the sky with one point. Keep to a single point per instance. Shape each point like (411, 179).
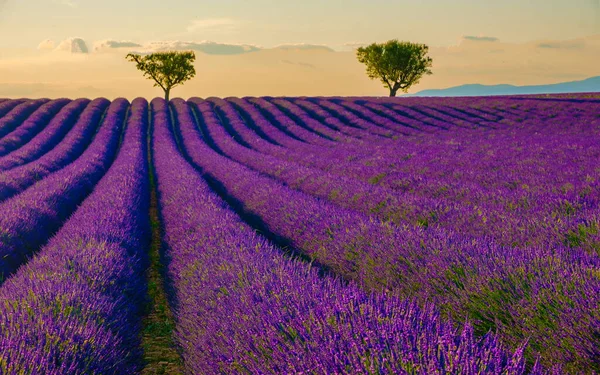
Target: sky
(341, 25)
(272, 22)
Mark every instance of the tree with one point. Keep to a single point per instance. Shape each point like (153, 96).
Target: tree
(398, 65)
(167, 69)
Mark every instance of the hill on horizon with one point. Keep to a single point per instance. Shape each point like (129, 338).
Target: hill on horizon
(587, 85)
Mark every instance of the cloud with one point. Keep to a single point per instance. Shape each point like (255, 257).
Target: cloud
(304, 46)
(288, 72)
(78, 45)
(207, 47)
(109, 44)
(567, 44)
(480, 38)
(72, 45)
(211, 24)
(46, 45)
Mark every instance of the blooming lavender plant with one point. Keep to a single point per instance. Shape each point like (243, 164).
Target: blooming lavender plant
(30, 218)
(226, 278)
(18, 114)
(19, 178)
(457, 271)
(30, 127)
(46, 140)
(7, 105)
(445, 235)
(74, 308)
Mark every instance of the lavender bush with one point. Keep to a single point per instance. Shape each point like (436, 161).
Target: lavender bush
(74, 308)
(226, 278)
(342, 235)
(47, 139)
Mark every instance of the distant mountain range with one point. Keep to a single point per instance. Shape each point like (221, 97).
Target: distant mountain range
(587, 85)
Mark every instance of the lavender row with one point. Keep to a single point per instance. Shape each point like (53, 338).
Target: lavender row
(7, 105)
(271, 124)
(256, 119)
(227, 278)
(480, 220)
(515, 113)
(280, 129)
(307, 154)
(75, 307)
(282, 122)
(30, 127)
(341, 116)
(75, 142)
(44, 141)
(30, 218)
(518, 227)
(401, 180)
(370, 115)
(345, 192)
(18, 114)
(364, 132)
(455, 271)
(493, 159)
(302, 118)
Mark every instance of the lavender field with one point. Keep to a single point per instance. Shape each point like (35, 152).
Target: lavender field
(302, 235)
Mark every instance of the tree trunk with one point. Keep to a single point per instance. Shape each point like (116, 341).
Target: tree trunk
(167, 95)
(393, 92)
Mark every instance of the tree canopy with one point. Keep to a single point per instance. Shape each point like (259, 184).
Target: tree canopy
(398, 65)
(167, 69)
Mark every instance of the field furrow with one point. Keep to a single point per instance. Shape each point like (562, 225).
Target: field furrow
(48, 139)
(32, 217)
(75, 307)
(72, 146)
(300, 235)
(17, 115)
(457, 271)
(226, 277)
(30, 127)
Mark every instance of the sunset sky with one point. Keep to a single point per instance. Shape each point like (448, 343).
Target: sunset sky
(526, 32)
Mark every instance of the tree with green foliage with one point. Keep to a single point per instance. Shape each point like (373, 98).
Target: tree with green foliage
(167, 69)
(398, 65)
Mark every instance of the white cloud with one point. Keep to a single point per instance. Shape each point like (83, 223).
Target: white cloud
(480, 38)
(304, 46)
(73, 45)
(46, 45)
(109, 44)
(211, 24)
(207, 47)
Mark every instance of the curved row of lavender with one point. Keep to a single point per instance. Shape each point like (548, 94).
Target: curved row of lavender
(46, 139)
(226, 278)
(434, 199)
(478, 208)
(75, 142)
(7, 105)
(461, 272)
(489, 203)
(75, 307)
(18, 114)
(30, 127)
(31, 217)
